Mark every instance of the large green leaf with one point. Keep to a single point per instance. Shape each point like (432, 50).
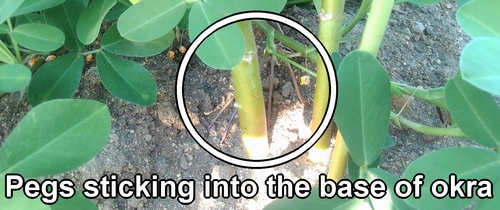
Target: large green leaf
(150, 19)
(55, 137)
(77, 202)
(230, 7)
(126, 79)
(39, 37)
(424, 2)
(65, 16)
(479, 18)
(7, 7)
(30, 18)
(363, 106)
(89, 24)
(56, 79)
(313, 201)
(475, 111)
(115, 12)
(480, 64)
(14, 77)
(36, 5)
(223, 49)
(4, 29)
(390, 200)
(487, 204)
(465, 163)
(113, 42)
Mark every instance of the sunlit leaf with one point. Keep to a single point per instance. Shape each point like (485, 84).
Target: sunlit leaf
(90, 21)
(14, 77)
(479, 18)
(7, 7)
(223, 49)
(55, 137)
(475, 111)
(36, 5)
(480, 66)
(363, 106)
(113, 42)
(150, 19)
(390, 200)
(30, 36)
(466, 163)
(126, 79)
(56, 79)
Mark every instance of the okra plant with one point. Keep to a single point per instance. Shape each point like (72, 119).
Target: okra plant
(363, 115)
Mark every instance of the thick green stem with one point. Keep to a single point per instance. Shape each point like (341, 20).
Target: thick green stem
(339, 159)
(450, 131)
(332, 12)
(375, 26)
(248, 94)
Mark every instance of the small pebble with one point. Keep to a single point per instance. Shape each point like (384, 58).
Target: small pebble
(417, 27)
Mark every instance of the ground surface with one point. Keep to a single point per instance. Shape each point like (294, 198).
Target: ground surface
(421, 47)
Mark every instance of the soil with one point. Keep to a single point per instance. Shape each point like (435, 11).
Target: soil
(421, 47)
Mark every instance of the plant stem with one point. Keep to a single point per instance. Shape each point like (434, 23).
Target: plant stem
(434, 96)
(92, 52)
(302, 49)
(450, 131)
(338, 159)
(283, 57)
(248, 94)
(332, 12)
(362, 11)
(375, 26)
(14, 42)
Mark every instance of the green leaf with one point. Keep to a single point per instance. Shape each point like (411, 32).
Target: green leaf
(475, 111)
(14, 77)
(150, 19)
(424, 2)
(462, 2)
(487, 204)
(56, 79)
(313, 202)
(317, 5)
(55, 137)
(363, 106)
(223, 49)
(389, 142)
(30, 18)
(480, 18)
(466, 163)
(480, 64)
(89, 24)
(65, 16)
(5, 54)
(29, 6)
(19, 200)
(126, 79)
(113, 42)
(115, 12)
(39, 37)
(390, 200)
(183, 23)
(353, 169)
(229, 7)
(7, 7)
(77, 202)
(4, 29)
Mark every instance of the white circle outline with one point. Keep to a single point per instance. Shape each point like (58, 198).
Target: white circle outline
(261, 163)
